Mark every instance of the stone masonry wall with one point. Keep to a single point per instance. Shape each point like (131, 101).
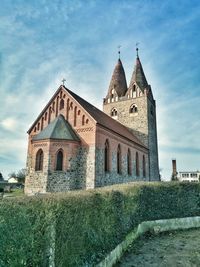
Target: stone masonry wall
(136, 122)
(142, 124)
(36, 182)
(153, 142)
(112, 177)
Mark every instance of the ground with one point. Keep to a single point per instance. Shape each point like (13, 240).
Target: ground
(167, 249)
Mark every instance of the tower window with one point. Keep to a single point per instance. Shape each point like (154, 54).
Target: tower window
(133, 109)
(119, 160)
(39, 160)
(59, 161)
(62, 103)
(106, 156)
(151, 110)
(113, 112)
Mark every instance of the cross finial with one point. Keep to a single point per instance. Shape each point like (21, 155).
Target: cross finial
(119, 46)
(137, 44)
(63, 81)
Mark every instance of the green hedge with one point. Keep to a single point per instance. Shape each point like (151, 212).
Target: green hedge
(85, 226)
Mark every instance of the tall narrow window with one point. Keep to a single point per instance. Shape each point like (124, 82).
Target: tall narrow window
(75, 114)
(62, 103)
(144, 166)
(137, 164)
(59, 161)
(68, 108)
(83, 120)
(57, 100)
(49, 117)
(119, 160)
(42, 124)
(134, 91)
(129, 162)
(106, 156)
(39, 160)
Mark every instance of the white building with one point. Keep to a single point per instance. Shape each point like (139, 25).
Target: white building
(193, 176)
(12, 180)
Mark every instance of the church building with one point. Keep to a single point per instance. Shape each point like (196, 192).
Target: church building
(74, 145)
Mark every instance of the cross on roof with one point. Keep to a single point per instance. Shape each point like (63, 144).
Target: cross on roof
(63, 81)
(119, 46)
(137, 44)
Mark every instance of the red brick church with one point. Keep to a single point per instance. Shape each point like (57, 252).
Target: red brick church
(74, 145)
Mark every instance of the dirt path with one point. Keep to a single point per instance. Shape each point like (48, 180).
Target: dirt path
(165, 250)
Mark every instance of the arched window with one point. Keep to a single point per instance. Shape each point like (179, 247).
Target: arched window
(119, 160)
(57, 101)
(59, 161)
(144, 166)
(113, 112)
(106, 157)
(62, 104)
(42, 123)
(68, 108)
(49, 118)
(133, 109)
(53, 106)
(83, 120)
(137, 164)
(134, 91)
(129, 162)
(75, 113)
(39, 160)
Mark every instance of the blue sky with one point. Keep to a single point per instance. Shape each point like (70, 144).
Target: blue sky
(43, 41)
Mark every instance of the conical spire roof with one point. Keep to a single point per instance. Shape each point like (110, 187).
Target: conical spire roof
(118, 80)
(138, 75)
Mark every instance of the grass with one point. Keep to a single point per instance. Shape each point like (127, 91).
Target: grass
(15, 193)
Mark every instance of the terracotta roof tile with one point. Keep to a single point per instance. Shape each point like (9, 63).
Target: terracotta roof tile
(59, 128)
(103, 119)
(118, 80)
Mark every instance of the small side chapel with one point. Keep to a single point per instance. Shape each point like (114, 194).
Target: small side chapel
(74, 145)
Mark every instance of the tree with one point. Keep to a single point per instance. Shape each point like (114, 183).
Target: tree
(19, 175)
(12, 174)
(174, 177)
(1, 177)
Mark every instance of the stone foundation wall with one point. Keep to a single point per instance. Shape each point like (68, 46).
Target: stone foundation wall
(80, 173)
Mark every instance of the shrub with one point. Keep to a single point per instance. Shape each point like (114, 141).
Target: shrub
(86, 225)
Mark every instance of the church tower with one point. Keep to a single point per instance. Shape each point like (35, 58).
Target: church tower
(135, 108)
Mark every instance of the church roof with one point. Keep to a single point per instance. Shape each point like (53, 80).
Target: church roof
(138, 75)
(118, 80)
(59, 128)
(103, 119)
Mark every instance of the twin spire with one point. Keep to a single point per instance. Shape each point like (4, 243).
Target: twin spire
(118, 80)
